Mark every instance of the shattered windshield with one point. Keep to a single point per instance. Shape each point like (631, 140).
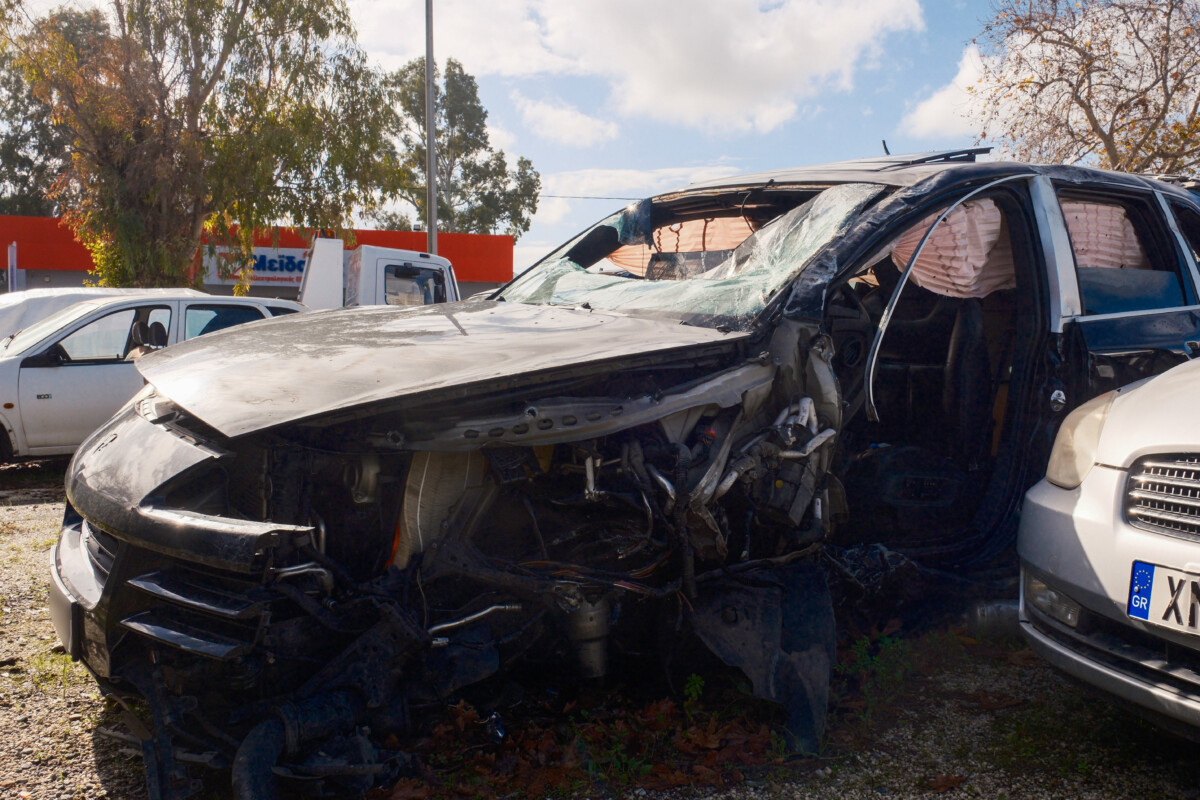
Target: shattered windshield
(708, 287)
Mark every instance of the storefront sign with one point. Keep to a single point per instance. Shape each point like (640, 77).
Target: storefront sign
(282, 266)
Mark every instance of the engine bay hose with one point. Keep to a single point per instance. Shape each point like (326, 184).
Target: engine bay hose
(294, 723)
(253, 766)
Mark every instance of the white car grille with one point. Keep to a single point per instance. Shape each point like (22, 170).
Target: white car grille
(1164, 494)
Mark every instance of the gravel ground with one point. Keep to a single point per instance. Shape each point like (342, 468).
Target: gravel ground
(51, 713)
(969, 718)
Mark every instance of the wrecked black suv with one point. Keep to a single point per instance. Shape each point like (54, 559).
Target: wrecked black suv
(306, 530)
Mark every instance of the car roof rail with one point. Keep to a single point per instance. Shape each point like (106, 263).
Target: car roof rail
(1189, 182)
(966, 154)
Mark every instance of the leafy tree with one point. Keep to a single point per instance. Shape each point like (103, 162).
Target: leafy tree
(34, 148)
(217, 116)
(477, 193)
(389, 219)
(1114, 82)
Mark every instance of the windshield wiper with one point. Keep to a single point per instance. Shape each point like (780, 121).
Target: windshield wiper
(8, 339)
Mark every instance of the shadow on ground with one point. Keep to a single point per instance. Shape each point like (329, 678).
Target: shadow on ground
(27, 482)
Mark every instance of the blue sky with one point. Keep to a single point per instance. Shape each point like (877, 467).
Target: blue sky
(624, 98)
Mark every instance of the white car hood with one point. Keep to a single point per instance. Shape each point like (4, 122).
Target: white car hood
(1159, 415)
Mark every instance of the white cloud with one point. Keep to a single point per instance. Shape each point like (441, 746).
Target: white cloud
(563, 123)
(717, 65)
(721, 65)
(488, 38)
(611, 188)
(501, 138)
(553, 210)
(946, 114)
(634, 183)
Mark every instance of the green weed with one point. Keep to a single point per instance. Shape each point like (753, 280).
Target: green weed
(876, 672)
(48, 669)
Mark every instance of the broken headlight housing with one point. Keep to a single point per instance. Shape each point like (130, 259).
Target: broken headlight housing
(1074, 452)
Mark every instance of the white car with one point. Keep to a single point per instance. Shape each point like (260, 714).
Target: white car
(21, 309)
(1109, 545)
(63, 376)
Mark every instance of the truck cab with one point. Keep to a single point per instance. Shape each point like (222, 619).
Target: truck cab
(375, 276)
(387, 276)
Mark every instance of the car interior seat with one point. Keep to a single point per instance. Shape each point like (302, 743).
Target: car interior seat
(139, 337)
(157, 335)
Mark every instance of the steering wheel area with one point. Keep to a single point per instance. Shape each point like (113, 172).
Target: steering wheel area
(852, 329)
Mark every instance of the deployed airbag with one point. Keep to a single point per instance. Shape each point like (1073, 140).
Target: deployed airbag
(968, 255)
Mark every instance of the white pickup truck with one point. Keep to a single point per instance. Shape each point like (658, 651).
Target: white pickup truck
(374, 276)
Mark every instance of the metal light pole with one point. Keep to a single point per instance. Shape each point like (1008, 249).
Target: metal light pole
(430, 134)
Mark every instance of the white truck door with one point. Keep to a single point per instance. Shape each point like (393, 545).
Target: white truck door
(68, 389)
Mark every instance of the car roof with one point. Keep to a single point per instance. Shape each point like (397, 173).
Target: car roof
(910, 169)
(179, 294)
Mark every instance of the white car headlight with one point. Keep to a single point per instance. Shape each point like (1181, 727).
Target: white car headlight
(1074, 451)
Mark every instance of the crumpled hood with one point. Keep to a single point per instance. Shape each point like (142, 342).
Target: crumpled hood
(282, 370)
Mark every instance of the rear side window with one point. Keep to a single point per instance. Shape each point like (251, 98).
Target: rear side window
(409, 285)
(199, 320)
(1189, 226)
(1123, 260)
(279, 311)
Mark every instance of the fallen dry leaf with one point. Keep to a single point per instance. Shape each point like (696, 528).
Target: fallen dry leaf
(1023, 658)
(410, 789)
(940, 784)
(662, 777)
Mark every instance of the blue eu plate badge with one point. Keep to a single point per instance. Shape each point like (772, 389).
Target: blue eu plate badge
(1140, 585)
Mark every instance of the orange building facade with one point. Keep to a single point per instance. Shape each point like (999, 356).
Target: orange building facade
(48, 255)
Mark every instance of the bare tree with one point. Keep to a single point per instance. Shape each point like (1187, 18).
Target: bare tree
(1110, 82)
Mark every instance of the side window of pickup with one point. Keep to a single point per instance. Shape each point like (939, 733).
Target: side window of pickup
(1124, 260)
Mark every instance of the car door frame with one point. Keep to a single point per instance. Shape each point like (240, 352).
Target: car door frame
(991, 530)
(1102, 351)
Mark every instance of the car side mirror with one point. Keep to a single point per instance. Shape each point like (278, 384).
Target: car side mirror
(54, 356)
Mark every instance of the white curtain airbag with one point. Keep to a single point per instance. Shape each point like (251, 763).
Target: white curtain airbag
(968, 255)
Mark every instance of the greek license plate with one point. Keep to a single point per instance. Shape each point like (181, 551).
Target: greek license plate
(1166, 597)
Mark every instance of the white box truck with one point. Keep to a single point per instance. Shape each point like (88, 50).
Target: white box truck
(373, 276)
